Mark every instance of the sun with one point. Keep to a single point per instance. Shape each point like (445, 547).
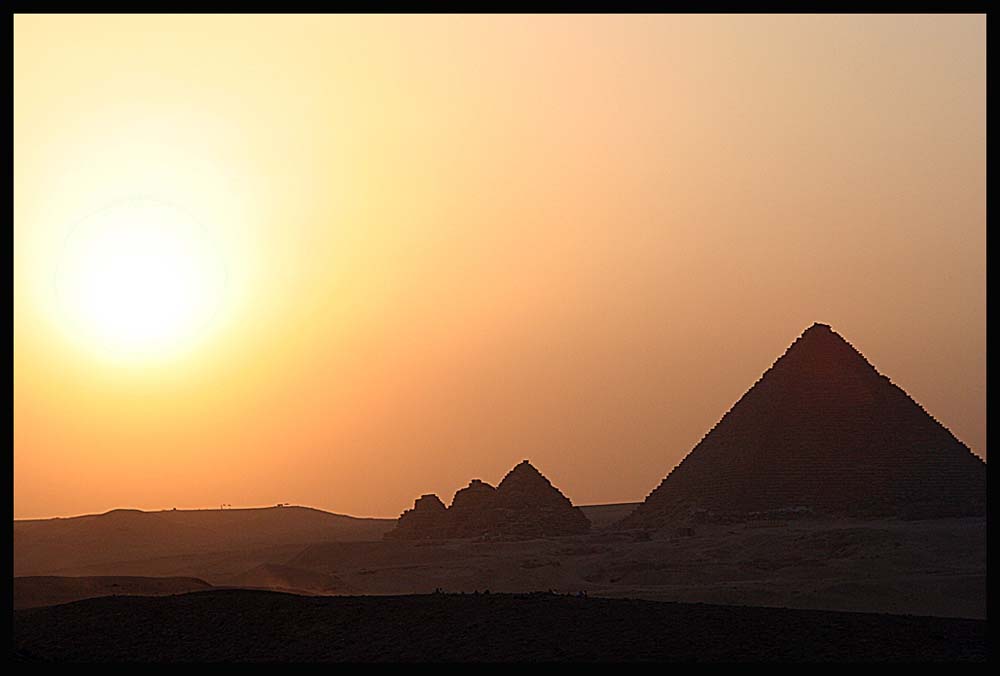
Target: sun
(140, 279)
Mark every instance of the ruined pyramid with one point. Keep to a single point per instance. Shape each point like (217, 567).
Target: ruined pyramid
(524, 505)
(822, 432)
(427, 519)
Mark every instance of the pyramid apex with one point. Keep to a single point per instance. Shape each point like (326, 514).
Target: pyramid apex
(819, 333)
(818, 327)
(523, 466)
(522, 471)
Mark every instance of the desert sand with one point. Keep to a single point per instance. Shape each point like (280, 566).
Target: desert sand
(45, 590)
(923, 567)
(248, 626)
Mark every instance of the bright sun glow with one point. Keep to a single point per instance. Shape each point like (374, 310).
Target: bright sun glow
(140, 279)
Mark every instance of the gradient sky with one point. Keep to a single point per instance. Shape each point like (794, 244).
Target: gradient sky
(450, 243)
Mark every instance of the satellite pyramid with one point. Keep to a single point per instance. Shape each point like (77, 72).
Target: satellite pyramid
(427, 519)
(527, 504)
(821, 432)
(524, 505)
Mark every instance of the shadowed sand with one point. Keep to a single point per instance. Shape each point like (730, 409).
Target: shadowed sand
(32, 592)
(238, 625)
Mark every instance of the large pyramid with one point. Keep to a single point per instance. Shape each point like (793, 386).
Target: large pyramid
(821, 432)
(524, 505)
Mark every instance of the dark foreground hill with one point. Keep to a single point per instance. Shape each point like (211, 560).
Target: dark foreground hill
(240, 625)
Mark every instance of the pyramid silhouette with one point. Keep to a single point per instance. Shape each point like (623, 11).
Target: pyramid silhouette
(524, 505)
(821, 432)
(524, 486)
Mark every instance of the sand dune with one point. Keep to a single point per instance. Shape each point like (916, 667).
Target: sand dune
(286, 578)
(32, 592)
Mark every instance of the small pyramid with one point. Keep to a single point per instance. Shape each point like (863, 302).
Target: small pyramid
(528, 505)
(467, 507)
(473, 496)
(821, 432)
(525, 486)
(427, 519)
(524, 505)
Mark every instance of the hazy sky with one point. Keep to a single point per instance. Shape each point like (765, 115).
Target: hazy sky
(449, 243)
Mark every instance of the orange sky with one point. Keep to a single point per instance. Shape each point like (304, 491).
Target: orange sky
(451, 243)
